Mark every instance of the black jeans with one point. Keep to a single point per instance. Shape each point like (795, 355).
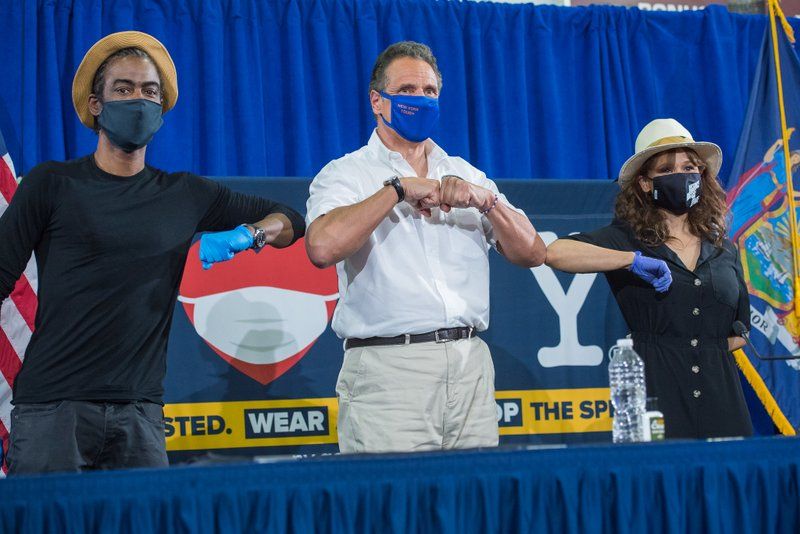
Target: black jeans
(80, 436)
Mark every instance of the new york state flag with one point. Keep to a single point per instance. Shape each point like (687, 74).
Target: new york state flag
(762, 192)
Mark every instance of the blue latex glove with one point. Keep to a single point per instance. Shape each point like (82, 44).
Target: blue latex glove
(222, 246)
(654, 272)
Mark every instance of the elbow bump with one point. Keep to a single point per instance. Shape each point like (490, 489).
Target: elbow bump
(539, 258)
(539, 253)
(550, 256)
(527, 259)
(534, 260)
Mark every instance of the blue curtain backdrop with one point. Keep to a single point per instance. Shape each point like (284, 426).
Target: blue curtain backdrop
(279, 87)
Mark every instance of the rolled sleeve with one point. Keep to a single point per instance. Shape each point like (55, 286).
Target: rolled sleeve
(333, 187)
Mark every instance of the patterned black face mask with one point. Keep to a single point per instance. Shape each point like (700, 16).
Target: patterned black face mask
(677, 192)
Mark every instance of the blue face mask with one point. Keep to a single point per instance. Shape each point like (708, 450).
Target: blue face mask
(130, 124)
(413, 117)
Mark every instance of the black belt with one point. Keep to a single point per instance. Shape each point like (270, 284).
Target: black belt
(439, 336)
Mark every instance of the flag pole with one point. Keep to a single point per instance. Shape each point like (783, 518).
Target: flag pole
(775, 10)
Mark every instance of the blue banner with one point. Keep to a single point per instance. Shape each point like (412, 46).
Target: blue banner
(763, 225)
(253, 364)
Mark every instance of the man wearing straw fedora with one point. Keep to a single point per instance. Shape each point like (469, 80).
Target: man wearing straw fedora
(111, 235)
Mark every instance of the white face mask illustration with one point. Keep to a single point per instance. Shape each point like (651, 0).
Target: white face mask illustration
(260, 325)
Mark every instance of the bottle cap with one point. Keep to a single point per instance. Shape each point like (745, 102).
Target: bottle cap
(625, 342)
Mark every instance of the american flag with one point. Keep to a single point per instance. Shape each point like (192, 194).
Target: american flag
(17, 312)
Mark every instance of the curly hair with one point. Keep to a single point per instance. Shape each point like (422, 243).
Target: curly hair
(707, 219)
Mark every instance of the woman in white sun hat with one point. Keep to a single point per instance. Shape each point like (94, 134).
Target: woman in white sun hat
(676, 278)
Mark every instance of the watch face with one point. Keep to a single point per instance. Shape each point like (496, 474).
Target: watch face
(260, 238)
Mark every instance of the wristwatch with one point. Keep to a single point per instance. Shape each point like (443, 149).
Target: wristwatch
(394, 181)
(259, 237)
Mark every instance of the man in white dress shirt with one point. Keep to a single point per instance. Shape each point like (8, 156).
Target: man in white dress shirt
(409, 229)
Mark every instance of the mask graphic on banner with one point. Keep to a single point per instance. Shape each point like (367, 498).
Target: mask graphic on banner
(413, 117)
(260, 325)
(261, 313)
(677, 192)
(130, 124)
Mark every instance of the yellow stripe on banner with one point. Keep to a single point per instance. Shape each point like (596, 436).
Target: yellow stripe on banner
(774, 8)
(554, 411)
(273, 423)
(764, 395)
(224, 425)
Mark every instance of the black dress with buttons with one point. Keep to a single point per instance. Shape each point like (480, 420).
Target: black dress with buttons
(682, 334)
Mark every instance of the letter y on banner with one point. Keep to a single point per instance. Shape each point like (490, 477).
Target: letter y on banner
(569, 351)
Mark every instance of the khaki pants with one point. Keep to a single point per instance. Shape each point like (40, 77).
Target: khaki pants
(423, 396)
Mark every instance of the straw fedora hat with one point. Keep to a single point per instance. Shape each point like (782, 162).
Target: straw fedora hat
(661, 135)
(99, 52)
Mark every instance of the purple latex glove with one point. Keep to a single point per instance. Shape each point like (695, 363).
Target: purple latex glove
(222, 246)
(654, 272)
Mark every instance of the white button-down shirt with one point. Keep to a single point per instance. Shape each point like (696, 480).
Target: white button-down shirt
(414, 274)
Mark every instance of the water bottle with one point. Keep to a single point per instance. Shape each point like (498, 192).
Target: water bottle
(628, 396)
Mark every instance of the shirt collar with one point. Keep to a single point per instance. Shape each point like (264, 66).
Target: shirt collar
(707, 252)
(391, 158)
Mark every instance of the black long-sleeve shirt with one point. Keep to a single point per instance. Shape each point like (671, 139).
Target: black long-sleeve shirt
(110, 252)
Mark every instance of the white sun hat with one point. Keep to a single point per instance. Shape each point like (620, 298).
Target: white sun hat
(661, 135)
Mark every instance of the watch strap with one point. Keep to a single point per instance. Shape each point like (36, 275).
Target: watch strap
(394, 181)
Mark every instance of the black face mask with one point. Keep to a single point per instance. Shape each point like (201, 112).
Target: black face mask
(130, 124)
(677, 192)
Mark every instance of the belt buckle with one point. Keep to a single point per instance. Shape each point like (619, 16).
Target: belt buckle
(438, 339)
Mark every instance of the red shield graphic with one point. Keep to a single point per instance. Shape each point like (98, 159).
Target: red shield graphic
(277, 279)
